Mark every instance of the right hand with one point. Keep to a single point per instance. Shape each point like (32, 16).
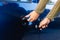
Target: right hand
(33, 16)
(44, 23)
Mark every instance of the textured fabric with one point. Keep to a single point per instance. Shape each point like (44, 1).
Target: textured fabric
(41, 5)
(54, 10)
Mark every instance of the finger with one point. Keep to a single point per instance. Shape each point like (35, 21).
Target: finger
(27, 15)
(40, 28)
(46, 25)
(43, 26)
(30, 19)
(40, 25)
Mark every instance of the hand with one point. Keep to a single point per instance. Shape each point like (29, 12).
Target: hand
(44, 23)
(33, 16)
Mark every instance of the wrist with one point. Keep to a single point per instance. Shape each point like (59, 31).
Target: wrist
(49, 19)
(37, 12)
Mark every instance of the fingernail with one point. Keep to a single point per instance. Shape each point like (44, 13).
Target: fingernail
(27, 19)
(27, 16)
(40, 29)
(39, 25)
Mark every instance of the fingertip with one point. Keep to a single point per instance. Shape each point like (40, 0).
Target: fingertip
(31, 20)
(27, 19)
(27, 15)
(43, 27)
(40, 28)
(46, 25)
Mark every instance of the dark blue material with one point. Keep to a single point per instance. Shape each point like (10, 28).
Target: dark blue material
(9, 21)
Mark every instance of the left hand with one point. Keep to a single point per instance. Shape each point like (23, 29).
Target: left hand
(44, 23)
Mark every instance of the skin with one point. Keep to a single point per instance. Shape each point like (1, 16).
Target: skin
(35, 14)
(44, 23)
